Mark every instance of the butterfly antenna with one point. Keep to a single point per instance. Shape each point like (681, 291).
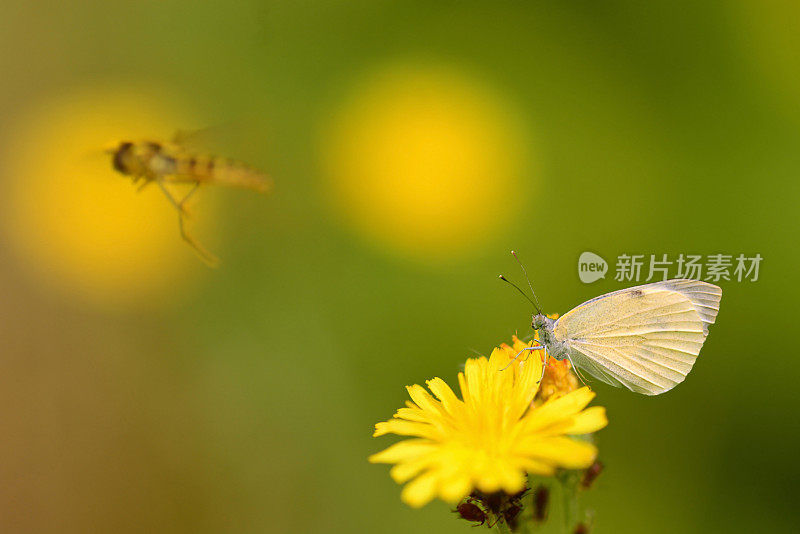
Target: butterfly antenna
(525, 272)
(515, 286)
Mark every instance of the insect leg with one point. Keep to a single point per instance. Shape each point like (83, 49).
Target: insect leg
(544, 365)
(170, 197)
(189, 194)
(210, 259)
(518, 355)
(577, 371)
(207, 257)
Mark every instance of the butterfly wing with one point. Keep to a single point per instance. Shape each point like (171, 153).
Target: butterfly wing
(645, 338)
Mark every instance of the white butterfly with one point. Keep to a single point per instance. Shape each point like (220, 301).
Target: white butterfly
(645, 338)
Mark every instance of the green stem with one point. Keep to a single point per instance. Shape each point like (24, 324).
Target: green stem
(570, 505)
(502, 526)
(567, 505)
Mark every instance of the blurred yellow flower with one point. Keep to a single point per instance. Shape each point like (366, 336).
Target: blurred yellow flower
(76, 225)
(420, 159)
(490, 439)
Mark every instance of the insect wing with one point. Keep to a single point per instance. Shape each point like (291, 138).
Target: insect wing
(644, 338)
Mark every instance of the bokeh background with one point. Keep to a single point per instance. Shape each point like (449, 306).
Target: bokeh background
(412, 145)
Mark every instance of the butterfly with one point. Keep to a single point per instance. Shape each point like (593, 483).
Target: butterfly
(645, 338)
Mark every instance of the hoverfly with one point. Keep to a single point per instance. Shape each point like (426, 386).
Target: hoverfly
(171, 163)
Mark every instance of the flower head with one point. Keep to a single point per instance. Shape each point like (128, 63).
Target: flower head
(558, 380)
(492, 437)
(415, 151)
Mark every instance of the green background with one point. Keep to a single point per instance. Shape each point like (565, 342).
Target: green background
(248, 407)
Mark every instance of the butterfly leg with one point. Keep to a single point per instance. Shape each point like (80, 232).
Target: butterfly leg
(520, 353)
(544, 365)
(577, 372)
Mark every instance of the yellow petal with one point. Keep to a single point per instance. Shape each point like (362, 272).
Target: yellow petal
(511, 480)
(564, 452)
(572, 402)
(412, 414)
(493, 474)
(405, 428)
(420, 491)
(473, 374)
(536, 467)
(588, 421)
(556, 410)
(424, 400)
(405, 471)
(527, 383)
(518, 344)
(498, 359)
(402, 451)
(464, 388)
(443, 392)
(456, 488)
(488, 483)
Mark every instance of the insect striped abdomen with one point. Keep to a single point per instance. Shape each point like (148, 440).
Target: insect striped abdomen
(236, 174)
(222, 171)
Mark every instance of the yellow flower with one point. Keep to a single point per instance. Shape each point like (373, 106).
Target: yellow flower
(558, 380)
(490, 439)
(416, 151)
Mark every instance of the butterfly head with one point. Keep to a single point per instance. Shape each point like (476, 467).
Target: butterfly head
(539, 321)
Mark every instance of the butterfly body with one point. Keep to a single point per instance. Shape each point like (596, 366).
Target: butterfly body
(546, 327)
